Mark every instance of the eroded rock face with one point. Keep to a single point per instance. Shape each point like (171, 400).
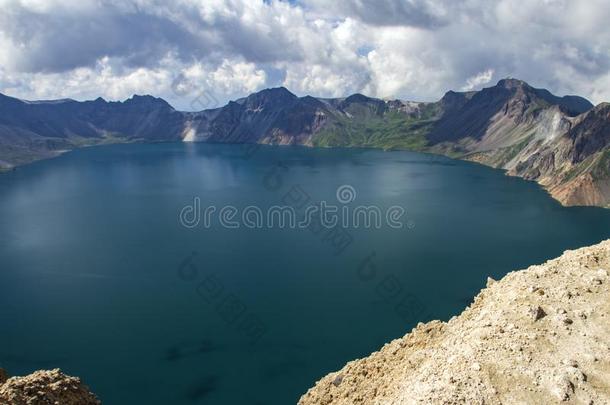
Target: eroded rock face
(45, 387)
(538, 336)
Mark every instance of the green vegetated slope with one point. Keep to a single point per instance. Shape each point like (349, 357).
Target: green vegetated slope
(385, 130)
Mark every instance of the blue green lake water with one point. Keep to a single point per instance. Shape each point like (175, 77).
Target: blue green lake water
(99, 278)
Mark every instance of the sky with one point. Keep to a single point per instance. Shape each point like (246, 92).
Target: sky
(199, 54)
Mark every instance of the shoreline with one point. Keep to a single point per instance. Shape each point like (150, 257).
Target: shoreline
(465, 159)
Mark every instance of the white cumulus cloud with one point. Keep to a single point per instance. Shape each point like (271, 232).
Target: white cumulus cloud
(410, 49)
(478, 80)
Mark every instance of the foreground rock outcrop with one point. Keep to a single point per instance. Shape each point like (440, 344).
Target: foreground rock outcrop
(44, 387)
(538, 336)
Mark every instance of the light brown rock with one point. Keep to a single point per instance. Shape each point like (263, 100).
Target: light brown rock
(46, 387)
(498, 351)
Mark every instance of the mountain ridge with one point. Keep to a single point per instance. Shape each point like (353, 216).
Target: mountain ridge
(563, 143)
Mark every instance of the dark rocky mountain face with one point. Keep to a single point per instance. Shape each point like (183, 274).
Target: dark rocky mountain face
(270, 116)
(471, 115)
(591, 133)
(572, 105)
(561, 142)
(32, 130)
(139, 117)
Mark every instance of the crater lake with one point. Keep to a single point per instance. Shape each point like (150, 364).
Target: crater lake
(101, 278)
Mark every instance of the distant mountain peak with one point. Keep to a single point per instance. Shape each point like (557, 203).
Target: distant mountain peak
(358, 98)
(363, 100)
(452, 95)
(453, 100)
(572, 105)
(147, 100)
(143, 97)
(512, 83)
(276, 96)
(276, 92)
(282, 89)
(603, 106)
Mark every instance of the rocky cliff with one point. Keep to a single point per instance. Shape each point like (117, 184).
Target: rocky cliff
(538, 336)
(561, 142)
(558, 142)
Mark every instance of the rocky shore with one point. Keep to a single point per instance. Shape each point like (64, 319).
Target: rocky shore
(537, 336)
